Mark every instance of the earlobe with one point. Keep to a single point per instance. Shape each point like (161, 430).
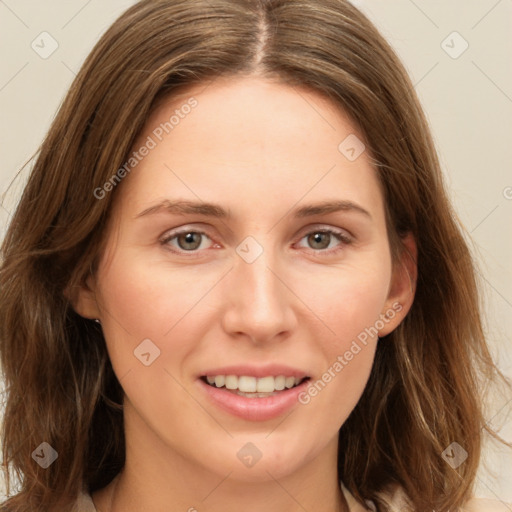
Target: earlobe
(83, 300)
(402, 288)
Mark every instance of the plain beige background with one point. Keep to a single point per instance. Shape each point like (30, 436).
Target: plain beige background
(458, 53)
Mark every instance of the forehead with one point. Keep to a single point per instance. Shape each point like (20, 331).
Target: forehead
(248, 139)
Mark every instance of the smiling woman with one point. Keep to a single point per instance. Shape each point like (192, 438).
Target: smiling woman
(276, 308)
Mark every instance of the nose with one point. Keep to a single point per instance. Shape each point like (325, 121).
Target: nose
(260, 305)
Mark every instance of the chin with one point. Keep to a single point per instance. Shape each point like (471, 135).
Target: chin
(263, 457)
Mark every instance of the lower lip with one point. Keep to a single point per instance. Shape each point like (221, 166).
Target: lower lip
(254, 409)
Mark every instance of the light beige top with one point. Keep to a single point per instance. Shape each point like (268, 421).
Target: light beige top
(85, 504)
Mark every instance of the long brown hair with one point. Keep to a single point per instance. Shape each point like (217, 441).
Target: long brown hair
(424, 391)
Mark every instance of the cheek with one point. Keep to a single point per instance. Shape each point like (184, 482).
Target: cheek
(348, 301)
(145, 297)
(148, 300)
(349, 306)
(148, 314)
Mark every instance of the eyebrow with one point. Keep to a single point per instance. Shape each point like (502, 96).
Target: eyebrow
(214, 210)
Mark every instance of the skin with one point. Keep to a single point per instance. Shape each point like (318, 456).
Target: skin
(260, 150)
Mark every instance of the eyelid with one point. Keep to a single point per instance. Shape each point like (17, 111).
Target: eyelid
(173, 233)
(326, 228)
(345, 238)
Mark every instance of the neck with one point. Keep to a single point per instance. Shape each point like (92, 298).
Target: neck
(156, 477)
(123, 496)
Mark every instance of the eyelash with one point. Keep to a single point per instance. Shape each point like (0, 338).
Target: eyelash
(339, 235)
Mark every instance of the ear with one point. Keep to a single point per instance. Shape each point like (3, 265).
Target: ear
(402, 287)
(83, 299)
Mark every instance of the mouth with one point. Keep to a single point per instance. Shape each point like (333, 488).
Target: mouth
(253, 387)
(254, 394)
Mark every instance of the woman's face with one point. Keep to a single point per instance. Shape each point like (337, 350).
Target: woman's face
(248, 248)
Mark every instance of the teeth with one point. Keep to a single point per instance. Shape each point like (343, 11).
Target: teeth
(280, 382)
(266, 385)
(231, 382)
(289, 382)
(245, 384)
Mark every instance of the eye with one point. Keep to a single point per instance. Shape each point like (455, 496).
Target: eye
(323, 240)
(185, 241)
(320, 240)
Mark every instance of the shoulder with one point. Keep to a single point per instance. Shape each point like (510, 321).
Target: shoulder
(397, 502)
(84, 504)
(484, 505)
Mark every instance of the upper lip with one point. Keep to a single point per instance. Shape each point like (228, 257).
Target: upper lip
(256, 371)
